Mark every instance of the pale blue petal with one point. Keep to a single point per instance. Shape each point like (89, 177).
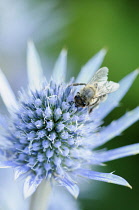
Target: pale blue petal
(70, 186)
(115, 128)
(30, 185)
(3, 121)
(114, 98)
(7, 94)
(59, 72)
(87, 155)
(20, 170)
(4, 143)
(121, 152)
(88, 70)
(7, 164)
(34, 69)
(104, 177)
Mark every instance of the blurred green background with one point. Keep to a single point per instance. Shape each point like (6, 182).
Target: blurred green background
(84, 27)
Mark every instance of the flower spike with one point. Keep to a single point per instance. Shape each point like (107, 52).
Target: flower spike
(59, 72)
(7, 93)
(34, 69)
(88, 70)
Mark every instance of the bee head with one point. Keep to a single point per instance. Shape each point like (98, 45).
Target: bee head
(79, 102)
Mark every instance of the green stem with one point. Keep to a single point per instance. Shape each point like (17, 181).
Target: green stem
(40, 199)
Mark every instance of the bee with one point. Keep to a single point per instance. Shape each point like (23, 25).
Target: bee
(95, 91)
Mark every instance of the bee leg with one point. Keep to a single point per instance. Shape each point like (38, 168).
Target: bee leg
(90, 109)
(77, 84)
(93, 106)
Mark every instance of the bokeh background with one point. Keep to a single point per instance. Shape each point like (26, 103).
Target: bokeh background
(83, 27)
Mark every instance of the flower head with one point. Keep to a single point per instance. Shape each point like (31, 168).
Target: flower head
(48, 137)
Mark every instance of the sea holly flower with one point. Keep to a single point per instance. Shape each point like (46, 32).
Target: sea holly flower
(48, 138)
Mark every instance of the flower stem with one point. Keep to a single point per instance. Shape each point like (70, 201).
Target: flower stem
(40, 199)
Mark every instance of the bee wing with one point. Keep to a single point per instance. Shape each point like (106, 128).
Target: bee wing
(111, 86)
(100, 76)
(107, 87)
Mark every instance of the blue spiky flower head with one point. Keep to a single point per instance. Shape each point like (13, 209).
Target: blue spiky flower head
(48, 137)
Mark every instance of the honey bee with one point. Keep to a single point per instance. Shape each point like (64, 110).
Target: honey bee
(95, 91)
